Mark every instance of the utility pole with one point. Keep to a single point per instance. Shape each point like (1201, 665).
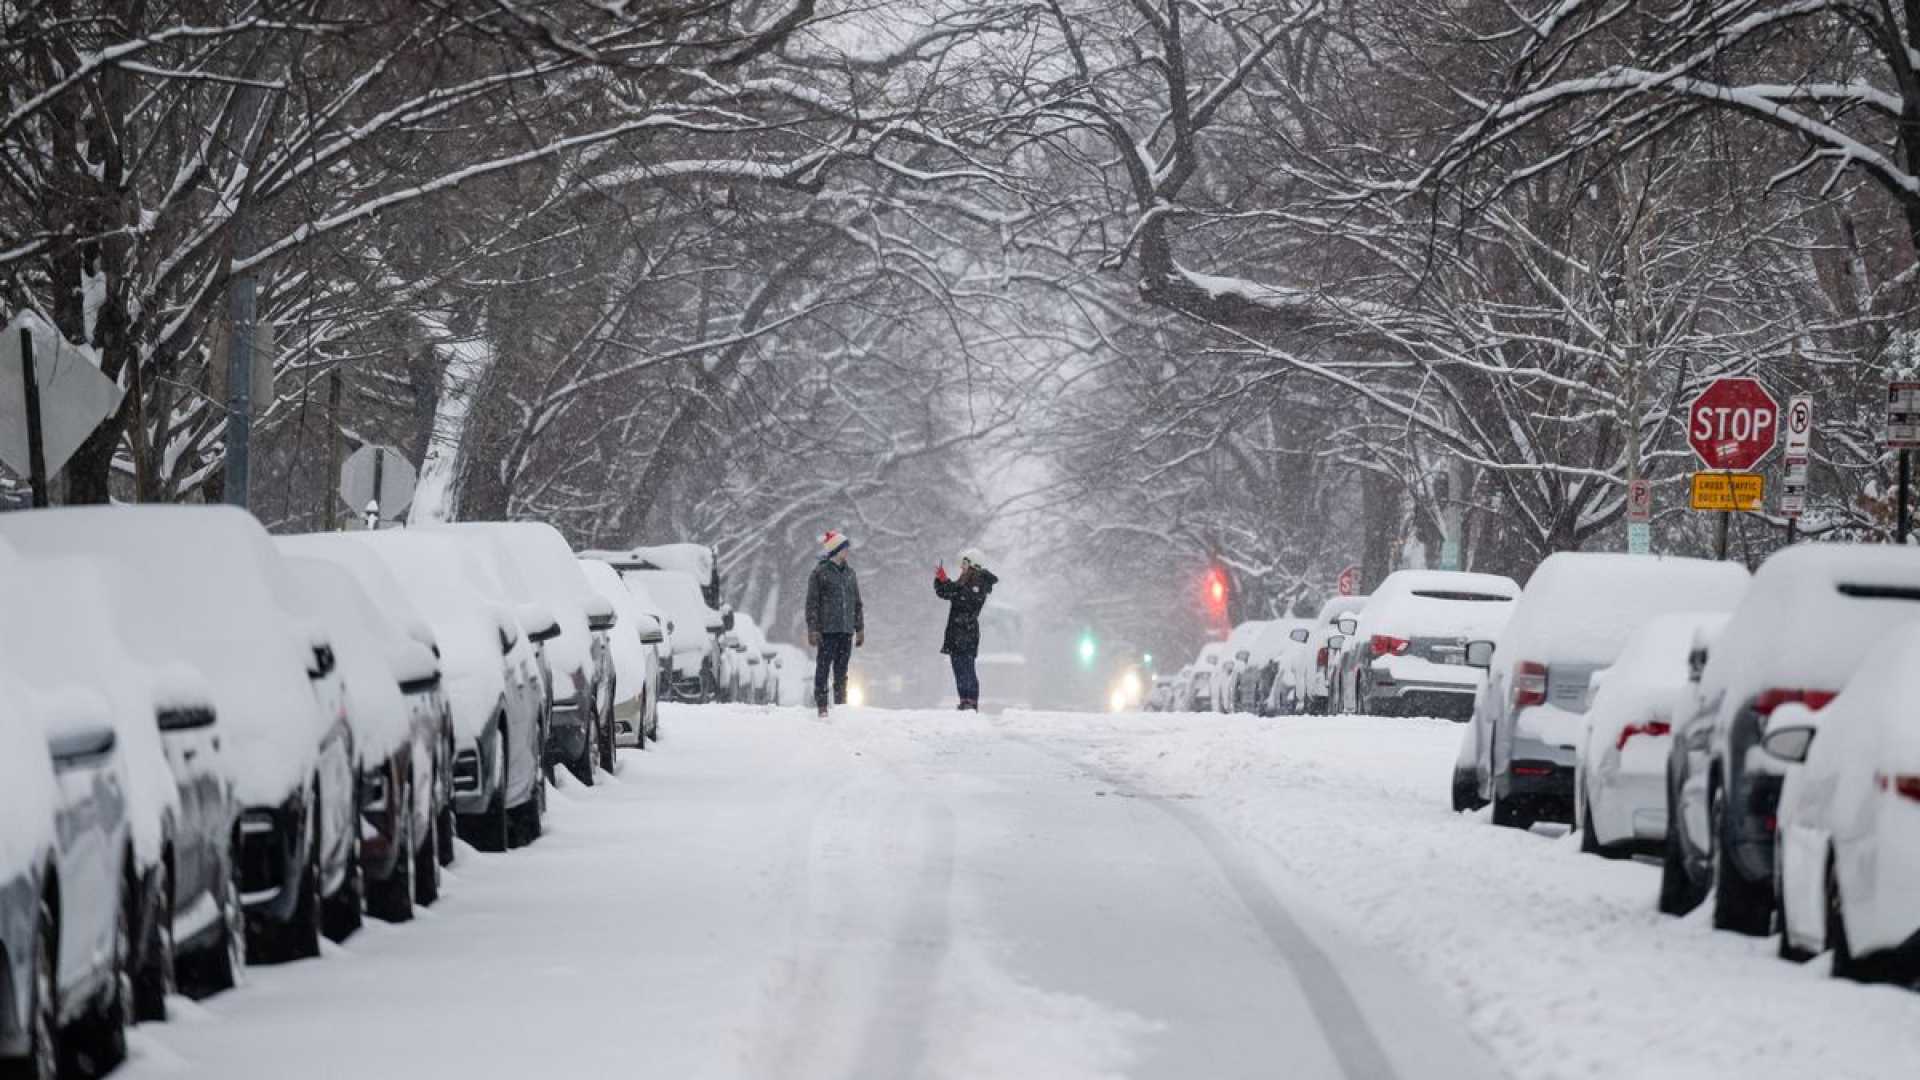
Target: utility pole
(243, 293)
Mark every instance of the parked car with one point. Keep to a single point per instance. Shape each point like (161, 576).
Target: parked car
(429, 710)
(1267, 655)
(636, 644)
(1201, 694)
(1810, 615)
(1160, 693)
(491, 674)
(538, 567)
(1304, 683)
(59, 630)
(1620, 769)
(67, 885)
(1226, 679)
(394, 759)
(695, 632)
(1407, 648)
(793, 675)
(1576, 613)
(222, 606)
(752, 672)
(1849, 835)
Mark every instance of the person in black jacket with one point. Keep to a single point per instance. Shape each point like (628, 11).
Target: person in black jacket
(836, 619)
(965, 596)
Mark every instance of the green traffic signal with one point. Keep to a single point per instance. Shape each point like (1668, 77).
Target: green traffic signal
(1087, 648)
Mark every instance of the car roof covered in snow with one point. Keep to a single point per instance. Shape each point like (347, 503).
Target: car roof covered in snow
(373, 573)
(1811, 614)
(537, 566)
(1338, 606)
(680, 596)
(1650, 672)
(1414, 603)
(1580, 606)
(370, 649)
(204, 586)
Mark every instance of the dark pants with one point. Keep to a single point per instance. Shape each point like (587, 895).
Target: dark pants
(965, 680)
(831, 659)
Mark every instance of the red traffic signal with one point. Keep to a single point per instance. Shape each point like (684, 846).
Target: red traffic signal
(1216, 588)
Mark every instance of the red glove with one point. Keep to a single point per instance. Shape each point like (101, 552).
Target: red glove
(940, 572)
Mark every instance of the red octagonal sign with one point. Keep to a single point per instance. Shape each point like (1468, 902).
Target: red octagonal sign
(1733, 424)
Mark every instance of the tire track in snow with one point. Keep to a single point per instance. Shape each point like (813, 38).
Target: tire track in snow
(896, 1040)
(1342, 1022)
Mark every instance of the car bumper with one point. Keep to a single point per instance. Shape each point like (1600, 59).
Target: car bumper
(1422, 697)
(273, 856)
(1627, 807)
(476, 775)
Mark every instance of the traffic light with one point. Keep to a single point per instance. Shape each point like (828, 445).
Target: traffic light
(1088, 648)
(1216, 589)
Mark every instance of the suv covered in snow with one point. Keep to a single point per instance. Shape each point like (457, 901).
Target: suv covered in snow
(1406, 652)
(1572, 620)
(1811, 614)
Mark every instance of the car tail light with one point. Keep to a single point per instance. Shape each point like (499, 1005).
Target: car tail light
(1905, 785)
(1388, 645)
(1532, 770)
(1320, 658)
(1529, 683)
(1652, 727)
(1769, 700)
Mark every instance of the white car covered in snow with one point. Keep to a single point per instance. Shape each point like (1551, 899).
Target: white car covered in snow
(1812, 612)
(1620, 769)
(636, 642)
(1576, 613)
(1200, 692)
(750, 668)
(1406, 652)
(1849, 819)
(694, 634)
(1232, 660)
(1269, 657)
(1303, 682)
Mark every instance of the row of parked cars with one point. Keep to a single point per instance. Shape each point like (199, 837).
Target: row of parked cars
(218, 747)
(1755, 733)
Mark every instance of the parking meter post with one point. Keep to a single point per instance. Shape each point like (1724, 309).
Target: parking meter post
(36, 441)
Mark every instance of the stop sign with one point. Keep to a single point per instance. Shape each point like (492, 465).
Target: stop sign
(1733, 424)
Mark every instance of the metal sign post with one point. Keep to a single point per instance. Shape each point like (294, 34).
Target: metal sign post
(1903, 434)
(36, 443)
(1793, 485)
(1639, 516)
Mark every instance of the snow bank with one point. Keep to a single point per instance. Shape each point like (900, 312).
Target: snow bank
(1580, 606)
(203, 585)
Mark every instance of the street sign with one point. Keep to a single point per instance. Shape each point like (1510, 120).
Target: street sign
(1732, 424)
(1639, 500)
(1639, 538)
(396, 479)
(1903, 415)
(1350, 581)
(1799, 426)
(1728, 491)
(1793, 500)
(74, 396)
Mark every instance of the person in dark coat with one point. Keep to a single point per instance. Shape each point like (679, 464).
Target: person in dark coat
(965, 596)
(836, 620)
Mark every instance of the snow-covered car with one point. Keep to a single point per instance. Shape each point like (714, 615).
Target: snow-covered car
(67, 884)
(203, 586)
(1620, 765)
(410, 648)
(1233, 659)
(59, 632)
(538, 568)
(1268, 656)
(1406, 651)
(793, 675)
(636, 644)
(1811, 613)
(395, 760)
(1201, 694)
(1849, 819)
(1575, 614)
(694, 633)
(1160, 693)
(491, 674)
(1304, 683)
(752, 674)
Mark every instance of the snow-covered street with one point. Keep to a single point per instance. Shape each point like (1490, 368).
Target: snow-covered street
(896, 894)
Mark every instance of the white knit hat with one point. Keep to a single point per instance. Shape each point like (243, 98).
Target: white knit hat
(972, 555)
(833, 543)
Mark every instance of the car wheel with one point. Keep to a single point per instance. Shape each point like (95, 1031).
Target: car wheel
(608, 735)
(1466, 791)
(300, 938)
(392, 900)
(345, 910)
(98, 1041)
(446, 829)
(155, 978)
(582, 766)
(1738, 904)
(524, 823)
(426, 864)
(1791, 953)
(1844, 964)
(1589, 838)
(42, 1061)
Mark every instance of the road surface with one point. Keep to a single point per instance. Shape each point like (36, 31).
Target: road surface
(880, 896)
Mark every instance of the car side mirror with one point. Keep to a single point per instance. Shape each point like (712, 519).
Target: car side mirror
(600, 622)
(184, 718)
(538, 622)
(1789, 743)
(1300, 634)
(1696, 663)
(726, 618)
(649, 628)
(1480, 654)
(75, 747)
(1348, 625)
(1335, 642)
(320, 662)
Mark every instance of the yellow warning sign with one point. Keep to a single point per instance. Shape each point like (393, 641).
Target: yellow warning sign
(1729, 491)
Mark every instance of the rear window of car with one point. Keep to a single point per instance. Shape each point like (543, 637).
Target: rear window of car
(1448, 594)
